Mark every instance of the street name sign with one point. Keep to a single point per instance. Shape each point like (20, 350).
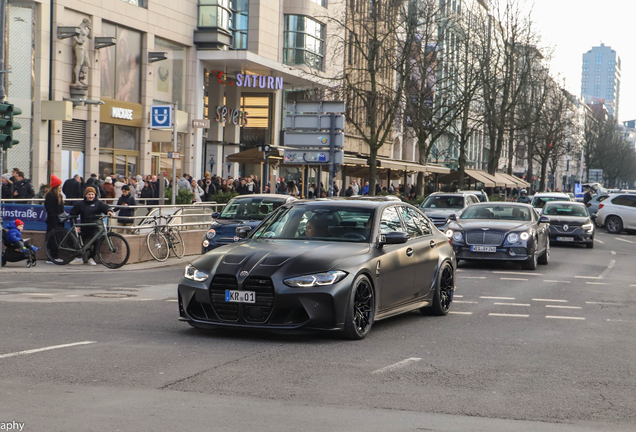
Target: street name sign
(201, 124)
(174, 155)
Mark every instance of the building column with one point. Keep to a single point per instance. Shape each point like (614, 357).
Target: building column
(91, 155)
(278, 116)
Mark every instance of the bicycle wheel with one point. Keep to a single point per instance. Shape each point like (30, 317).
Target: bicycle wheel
(60, 247)
(176, 243)
(157, 245)
(118, 255)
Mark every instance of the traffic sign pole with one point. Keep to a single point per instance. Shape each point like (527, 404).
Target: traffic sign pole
(332, 153)
(174, 148)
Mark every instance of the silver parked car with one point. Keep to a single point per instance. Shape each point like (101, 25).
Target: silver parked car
(617, 213)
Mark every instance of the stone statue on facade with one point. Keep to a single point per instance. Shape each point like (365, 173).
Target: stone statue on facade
(81, 64)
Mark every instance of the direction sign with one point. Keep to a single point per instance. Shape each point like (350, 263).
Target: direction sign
(174, 155)
(595, 176)
(161, 116)
(312, 139)
(310, 157)
(313, 122)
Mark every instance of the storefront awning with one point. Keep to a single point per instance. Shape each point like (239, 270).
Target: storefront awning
(518, 182)
(504, 181)
(480, 176)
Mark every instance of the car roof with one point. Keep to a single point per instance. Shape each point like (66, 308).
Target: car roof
(476, 192)
(551, 194)
(451, 193)
(501, 203)
(281, 196)
(564, 202)
(368, 202)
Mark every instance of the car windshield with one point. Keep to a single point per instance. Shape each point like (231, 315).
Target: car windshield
(564, 209)
(251, 208)
(499, 212)
(327, 223)
(444, 202)
(540, 202)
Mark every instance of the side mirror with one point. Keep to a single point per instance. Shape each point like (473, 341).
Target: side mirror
(452, 217)
(391, 238)
(215, 215)
(544, 219)
(243, 231)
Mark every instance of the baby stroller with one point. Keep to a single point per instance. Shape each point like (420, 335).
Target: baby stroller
(15, 253)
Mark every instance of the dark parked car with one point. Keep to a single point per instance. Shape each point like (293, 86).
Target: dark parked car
(244, 210)
(501, 231)
(570, 222)
(335, 265)
(439, 206)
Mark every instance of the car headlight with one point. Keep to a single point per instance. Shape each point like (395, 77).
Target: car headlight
(524, 236)
(192, 273)
(449, 234)
(513, 238)
(210, 235)
(206, 243)
(318, 279)
(457, 236)
(588, 227)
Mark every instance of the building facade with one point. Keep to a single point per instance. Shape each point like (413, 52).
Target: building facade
(601, 78)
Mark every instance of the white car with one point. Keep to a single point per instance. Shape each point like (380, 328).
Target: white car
(540, 199)
(617, 213)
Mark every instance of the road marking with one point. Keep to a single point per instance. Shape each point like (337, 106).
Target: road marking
(73, 295)
(563, 307)
(611, 264)
(458, 296)
(464, 301)
(587, 277)
(45, 349)
(613, 253)
(461, 313)
(497, 298)
(564, 317)
(626, 241)
(509, 315)
(40, 294)
(596, 283)
(550, 300)
(472, 277)
(518, 273)
(600, 241)
(512, 304)
(627, 321)
(397, 365)
(172, 300)
(604, 303)
(517, 279)
(556, 281)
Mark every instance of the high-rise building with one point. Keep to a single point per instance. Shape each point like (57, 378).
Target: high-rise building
(601, 78)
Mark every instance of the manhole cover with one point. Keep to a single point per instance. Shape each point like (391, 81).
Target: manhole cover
(110, 295)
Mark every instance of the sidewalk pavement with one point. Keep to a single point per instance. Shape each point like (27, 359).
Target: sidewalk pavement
(43, 267)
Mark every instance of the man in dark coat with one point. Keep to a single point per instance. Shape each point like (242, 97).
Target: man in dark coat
(22, 187)
(89, 210)
(72, 187)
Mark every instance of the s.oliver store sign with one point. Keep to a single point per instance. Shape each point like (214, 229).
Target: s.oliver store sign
(250, 80)
(33, 216)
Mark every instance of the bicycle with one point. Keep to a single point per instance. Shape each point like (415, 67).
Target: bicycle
(162, 239)
(112, 248)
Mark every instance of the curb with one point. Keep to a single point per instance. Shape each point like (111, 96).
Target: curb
(42, 267)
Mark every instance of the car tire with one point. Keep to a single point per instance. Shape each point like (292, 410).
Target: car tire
(444, 287)
(545, 258)
(360, 311)
(531, 263)
(614, 225)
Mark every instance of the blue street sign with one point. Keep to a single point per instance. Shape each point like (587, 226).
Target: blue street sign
(161, 117)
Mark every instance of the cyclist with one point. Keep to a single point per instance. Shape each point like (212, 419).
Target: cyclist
(90, 211)
(523, 197)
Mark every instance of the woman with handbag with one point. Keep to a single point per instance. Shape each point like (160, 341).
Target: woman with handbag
(54, 206)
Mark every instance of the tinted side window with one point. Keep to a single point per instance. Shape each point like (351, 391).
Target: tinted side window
(413, 228)
(422, 222)
(390, 221)
(624, 200)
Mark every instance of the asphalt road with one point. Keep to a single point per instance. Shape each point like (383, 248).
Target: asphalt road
(550, 350)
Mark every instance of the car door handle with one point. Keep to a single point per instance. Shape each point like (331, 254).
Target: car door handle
(433, 244)
(409, 252)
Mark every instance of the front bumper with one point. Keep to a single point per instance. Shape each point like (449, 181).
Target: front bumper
(277, 308)
(577, 236)
(216, 242)
(503, 253)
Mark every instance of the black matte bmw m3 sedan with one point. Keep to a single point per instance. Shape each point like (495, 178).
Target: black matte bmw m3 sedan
(336, 264)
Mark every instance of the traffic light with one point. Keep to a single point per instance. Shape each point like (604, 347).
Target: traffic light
(8, 125)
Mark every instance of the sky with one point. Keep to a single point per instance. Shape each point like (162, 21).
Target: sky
(573, 27)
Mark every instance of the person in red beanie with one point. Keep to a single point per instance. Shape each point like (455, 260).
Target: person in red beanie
(54, 206)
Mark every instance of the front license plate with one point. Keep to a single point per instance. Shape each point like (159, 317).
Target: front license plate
(483, 249)
(565, 239)
(240, 296)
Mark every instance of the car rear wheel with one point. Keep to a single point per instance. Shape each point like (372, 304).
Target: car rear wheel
(531, 262)
(443, 297)
(614, 225)
(360, 310)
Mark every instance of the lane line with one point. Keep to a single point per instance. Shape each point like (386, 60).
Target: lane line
(471, 277)
(458, 296)
(173, 300)
(512, 304)
(509, 315)
(556, 281)
(515, 279)
(626, 241)
(73, 295)
(496, 298)
(518, 273)
(595, 283)
(563, 307)
(600, 241)
(460, 313)
(604, 303)
(564, 317)
(45, 349)
(397, 365)
(587, 277)
(550, 300)
(611, 264)
(613, 253)
(627, 321)
(464, 301)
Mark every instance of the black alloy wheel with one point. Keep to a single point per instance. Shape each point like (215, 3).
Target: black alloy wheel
(444, 287)
(361, 309)
(614, 225)
(532, 261)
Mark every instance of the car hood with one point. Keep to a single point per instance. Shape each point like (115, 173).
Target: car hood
(477, 224)
(265, 257)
